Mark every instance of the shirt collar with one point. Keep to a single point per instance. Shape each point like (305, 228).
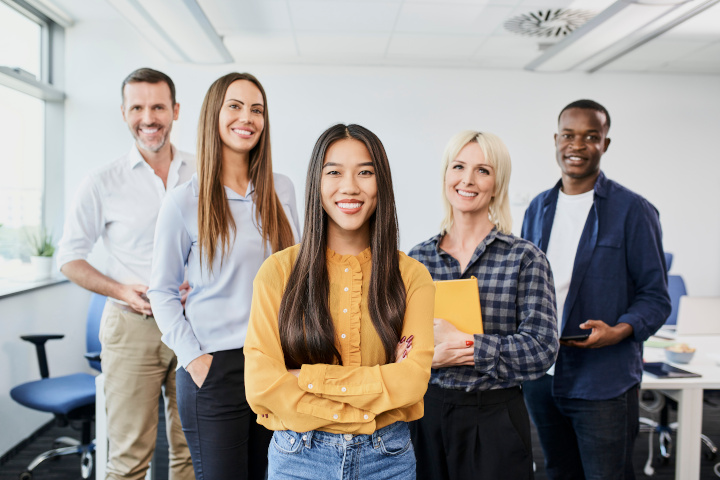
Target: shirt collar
(135, 158)
(494, 234)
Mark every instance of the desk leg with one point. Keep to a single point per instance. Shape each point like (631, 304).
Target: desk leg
(687, 458)
(101, 445)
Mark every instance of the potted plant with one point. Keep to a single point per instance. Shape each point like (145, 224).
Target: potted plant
(41, 253)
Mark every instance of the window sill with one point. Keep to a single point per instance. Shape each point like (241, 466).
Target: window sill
(9, 287)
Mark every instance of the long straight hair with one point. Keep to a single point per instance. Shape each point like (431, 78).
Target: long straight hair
(214, 218)
(307, 334)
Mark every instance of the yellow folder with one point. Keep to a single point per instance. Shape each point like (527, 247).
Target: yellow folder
(458, 302)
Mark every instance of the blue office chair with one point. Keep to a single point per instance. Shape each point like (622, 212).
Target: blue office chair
(71, 398)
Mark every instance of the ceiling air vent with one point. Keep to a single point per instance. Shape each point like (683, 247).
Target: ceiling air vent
(548, 25)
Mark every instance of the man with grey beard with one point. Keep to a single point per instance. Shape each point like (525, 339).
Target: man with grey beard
(119, 202)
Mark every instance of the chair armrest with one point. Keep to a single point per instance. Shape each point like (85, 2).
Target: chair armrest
(39, 342)
(93, 356)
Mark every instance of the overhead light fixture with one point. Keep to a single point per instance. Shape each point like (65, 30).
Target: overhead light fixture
(620, 28)
(178, 28)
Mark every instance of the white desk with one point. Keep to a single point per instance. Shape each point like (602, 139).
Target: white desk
(688, 392)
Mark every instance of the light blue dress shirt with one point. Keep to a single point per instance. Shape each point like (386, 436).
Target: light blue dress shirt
(218, 307)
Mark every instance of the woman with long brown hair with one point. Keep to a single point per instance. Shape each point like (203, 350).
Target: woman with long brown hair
(221, 226)
(340, 340)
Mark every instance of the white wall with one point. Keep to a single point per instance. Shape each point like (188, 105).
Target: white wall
(664, 129)
(58, 309)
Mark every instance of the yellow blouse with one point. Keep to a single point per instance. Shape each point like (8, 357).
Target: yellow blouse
(361, 395)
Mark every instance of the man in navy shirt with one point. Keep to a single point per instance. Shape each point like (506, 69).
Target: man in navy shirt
(604, 246)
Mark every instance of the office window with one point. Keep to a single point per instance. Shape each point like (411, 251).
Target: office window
(20, 41)
(29, 151)
(21, 168)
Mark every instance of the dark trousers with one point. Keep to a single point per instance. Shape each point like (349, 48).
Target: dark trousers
(473, 435)
(225, 440)
(584, 439)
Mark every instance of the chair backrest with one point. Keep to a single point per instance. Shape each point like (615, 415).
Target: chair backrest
(92, 332)
(668, 260)
(699, 316)
(676, 289)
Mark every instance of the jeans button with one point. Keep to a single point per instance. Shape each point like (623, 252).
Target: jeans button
(347, 437)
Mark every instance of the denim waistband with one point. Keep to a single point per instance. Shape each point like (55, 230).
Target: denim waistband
(350, 439)
(483, 397)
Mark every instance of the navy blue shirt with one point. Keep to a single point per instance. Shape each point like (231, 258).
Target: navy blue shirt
(517, 302)
(619, 276)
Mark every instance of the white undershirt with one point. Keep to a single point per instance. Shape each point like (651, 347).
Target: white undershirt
(571, 214)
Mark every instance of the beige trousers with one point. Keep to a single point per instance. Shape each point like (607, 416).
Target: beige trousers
(138, 367)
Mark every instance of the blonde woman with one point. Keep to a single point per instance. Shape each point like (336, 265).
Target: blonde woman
(476, 424)
(221, 225)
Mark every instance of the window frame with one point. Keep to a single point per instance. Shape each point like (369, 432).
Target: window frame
(49, 89)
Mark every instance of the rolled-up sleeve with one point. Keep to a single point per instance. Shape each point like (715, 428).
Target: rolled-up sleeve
(532, 349)
(83, 224)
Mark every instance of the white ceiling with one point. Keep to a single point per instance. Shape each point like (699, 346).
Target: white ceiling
(457, 33)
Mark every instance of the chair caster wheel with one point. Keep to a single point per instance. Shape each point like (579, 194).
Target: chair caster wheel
(662, 461)
(710, 455)
(25, 476)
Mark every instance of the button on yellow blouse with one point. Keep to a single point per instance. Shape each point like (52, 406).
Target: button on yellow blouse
(361, 395)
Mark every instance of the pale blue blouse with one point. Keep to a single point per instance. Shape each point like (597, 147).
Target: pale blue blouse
(218, 307)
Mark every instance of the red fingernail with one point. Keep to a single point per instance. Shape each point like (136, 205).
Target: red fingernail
(410, 338)
(404, 354)
(468, 343)
(402, 339)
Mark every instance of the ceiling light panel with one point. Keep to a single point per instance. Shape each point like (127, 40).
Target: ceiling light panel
(240, 16)
(340, 16)
(136, 15)
(186, 24)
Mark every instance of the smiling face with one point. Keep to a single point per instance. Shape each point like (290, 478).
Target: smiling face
(470, 181)
(581, 142)
(242, 118)
(349, 190)
(149, 112)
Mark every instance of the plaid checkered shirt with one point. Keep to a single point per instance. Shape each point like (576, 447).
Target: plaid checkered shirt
(517, 300)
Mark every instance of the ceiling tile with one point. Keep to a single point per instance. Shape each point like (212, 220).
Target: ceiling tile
(450, 18)
(432, 46)
(238, 16)
(318, 44)
(349, 16)
(264, 46)
(517, 47)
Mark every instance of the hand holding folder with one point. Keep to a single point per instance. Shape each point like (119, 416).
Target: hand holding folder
(458, 302)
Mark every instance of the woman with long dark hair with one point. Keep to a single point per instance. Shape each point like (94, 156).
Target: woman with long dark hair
(339, 346)
(476, 424)
(221, 226)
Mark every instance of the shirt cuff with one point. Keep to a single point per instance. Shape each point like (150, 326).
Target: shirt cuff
(486, 352)
(185, 356)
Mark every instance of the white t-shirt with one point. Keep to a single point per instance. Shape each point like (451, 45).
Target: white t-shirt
(571, 214)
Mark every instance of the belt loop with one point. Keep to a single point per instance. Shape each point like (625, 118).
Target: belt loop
(307, 438)
(376, 437)
(479, 395)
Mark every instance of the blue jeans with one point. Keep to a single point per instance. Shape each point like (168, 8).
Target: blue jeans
(584, 439)
(386, 454)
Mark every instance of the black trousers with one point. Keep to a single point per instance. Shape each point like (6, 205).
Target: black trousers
(225, 441)
(473, 435)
